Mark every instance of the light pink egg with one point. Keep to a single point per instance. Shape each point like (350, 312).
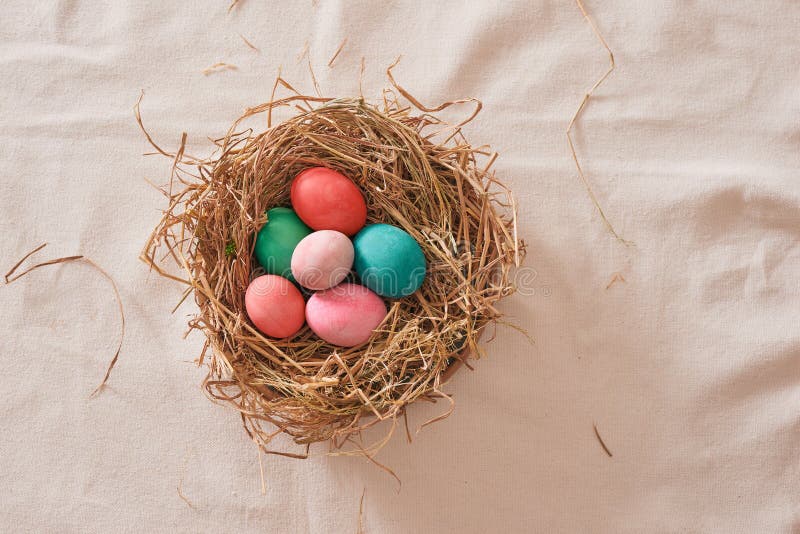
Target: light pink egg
(345, 315)
(275, 306)
(322, 259)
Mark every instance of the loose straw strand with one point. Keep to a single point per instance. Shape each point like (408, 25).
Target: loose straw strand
(577, 114)
(336, 54)
(10, 277)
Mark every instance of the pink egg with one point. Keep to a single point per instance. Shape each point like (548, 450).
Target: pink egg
(275, 306)
(345, 315)
(322, 259)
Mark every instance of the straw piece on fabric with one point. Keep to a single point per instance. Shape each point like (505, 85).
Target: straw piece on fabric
(11, 277)
(338, 51)
(577, 114)
(250, 45)
(218, 67)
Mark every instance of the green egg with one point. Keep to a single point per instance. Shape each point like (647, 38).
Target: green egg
(388, 260)
(277, 239)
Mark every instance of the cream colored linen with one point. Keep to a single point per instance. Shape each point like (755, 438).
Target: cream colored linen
(690, 368)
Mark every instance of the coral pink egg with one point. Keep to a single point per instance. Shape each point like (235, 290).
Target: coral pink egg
(327, 200)
(345, 315)
(322, 259)
(275, 306)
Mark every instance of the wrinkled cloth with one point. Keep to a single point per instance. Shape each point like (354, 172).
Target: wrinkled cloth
(682, 349)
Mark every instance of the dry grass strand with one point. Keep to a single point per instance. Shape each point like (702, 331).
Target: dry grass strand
(11, 277)
(577, 114)
(218, 67)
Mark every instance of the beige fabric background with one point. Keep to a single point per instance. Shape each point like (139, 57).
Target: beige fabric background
(690, 368)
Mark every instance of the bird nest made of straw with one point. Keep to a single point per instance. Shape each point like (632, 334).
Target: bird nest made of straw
(416, 172)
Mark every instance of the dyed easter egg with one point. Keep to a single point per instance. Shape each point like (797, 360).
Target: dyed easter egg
(275, 306)
(328, 200)
(322, 259)
(388, 260)
(276, 240)
(345, 315)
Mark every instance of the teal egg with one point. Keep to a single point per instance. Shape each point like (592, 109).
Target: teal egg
(388, 260)
(277, 239)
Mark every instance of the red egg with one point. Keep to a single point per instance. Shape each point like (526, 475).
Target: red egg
(327, 200)
(275, 306)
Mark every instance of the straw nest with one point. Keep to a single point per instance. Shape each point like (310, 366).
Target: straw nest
(416, 172)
